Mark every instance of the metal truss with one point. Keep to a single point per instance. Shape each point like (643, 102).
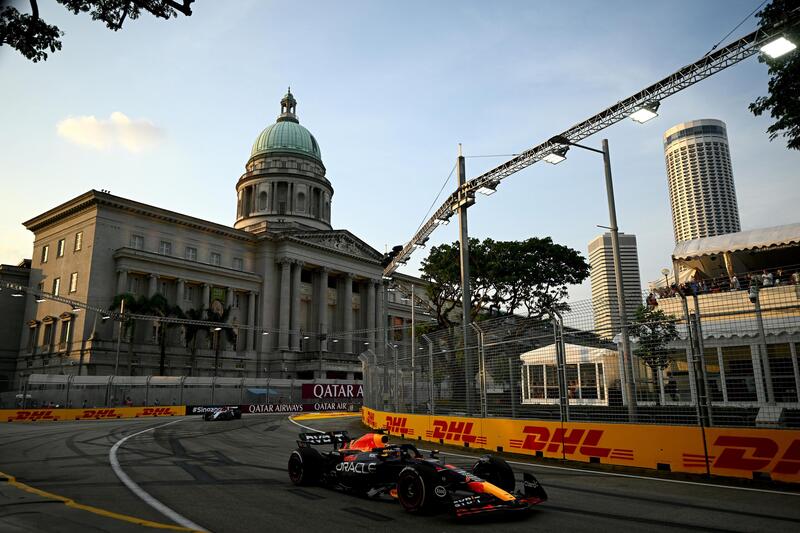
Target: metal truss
(684, 77)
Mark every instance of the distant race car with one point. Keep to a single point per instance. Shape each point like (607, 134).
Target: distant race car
(371, 467)
(223, 413)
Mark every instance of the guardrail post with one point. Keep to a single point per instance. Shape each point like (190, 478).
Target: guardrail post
(180, 393)
(147, 390)
(66, 400)
(241, 391)
(213, 386)
(431, 400)
(703, 371)
(511, 385)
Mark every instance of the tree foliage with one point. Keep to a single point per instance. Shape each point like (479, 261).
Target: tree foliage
(654, 329)
(508, 276)
(783, 101)
(33, 37)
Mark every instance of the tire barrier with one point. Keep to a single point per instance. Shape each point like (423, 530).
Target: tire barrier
(731, 452)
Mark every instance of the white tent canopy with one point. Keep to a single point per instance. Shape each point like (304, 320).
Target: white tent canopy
(743, 240)
(575, 353)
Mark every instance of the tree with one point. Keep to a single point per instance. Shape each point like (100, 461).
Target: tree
(505, 275)
(654, 330)
(783, 101)
(190, 332)
(224, 329)
(160, 307)
(33, 37)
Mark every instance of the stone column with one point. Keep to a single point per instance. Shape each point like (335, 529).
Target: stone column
(370, 312)
(251, 318)
(152, 287)
(122, 281)
(347, 312)
(295, 325)
(206, 296)
(322, 302)
(179, 292)
(283, 316)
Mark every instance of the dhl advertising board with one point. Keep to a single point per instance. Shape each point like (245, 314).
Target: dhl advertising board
(734, 452)
(45, 415)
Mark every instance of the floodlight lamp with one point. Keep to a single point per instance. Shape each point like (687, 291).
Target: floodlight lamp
(645, 113)
(305, 337)
(217, 329)
(366, 344)
(41, 299)
(335, 340)
(445, 220)
(556, 156)
(265, 332)
(778, 47)
(105, 317)
(76, 309)
(489, 188)
(17, 294)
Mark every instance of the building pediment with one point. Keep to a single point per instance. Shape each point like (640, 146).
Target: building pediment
(340, 241)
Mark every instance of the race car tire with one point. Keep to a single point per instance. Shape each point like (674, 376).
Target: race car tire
(416, 491)
(305, 466)
(496, 471)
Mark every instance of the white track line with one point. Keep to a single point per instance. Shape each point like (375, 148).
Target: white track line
(139, 491)
(304, 427)
(601, 473)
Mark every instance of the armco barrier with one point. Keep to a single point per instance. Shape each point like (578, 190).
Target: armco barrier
(732, 452)
(45, 415)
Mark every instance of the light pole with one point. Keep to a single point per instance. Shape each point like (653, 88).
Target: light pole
(119, 334)
(612, 216)
(665, 272)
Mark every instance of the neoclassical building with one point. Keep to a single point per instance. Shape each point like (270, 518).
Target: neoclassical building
(299, 284)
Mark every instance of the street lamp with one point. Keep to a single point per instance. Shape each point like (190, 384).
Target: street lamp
(558, 155)
(665, 272)
(612, 216)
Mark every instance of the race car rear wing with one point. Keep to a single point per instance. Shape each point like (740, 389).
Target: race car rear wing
(335, 438)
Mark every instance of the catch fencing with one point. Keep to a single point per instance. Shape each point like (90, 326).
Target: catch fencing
(696, 356)
(67, 391)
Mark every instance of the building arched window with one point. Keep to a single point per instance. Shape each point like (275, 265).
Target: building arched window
(262, 201)
(301, 201)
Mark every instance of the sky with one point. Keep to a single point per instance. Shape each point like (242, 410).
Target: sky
(165, 113)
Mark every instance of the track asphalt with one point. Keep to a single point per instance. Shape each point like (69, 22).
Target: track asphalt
(231, 477)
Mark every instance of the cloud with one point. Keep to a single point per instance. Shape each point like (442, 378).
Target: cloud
(133, 135)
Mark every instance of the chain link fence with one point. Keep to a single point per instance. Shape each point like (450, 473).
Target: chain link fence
(698, 356)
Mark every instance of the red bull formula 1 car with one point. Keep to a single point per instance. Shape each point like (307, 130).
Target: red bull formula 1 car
(372, 467)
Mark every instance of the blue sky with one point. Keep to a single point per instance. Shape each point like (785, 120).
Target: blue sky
(388, 89)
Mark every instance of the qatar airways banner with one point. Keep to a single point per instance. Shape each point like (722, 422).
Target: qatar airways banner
(332, 390)
(275, 407)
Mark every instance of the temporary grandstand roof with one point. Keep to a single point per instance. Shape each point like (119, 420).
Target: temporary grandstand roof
(756, 239)
(575, 353)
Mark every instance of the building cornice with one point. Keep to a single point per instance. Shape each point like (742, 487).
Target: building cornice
(184, 264)
(95, 198)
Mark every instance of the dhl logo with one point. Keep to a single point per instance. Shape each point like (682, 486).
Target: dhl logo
(99, 413)
(33, 416)
(584, 441)
(397, 425)
(156, 411)
(369, 418)
(749, 453)
(455, 431)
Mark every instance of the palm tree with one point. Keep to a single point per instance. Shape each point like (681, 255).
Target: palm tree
(224, 327)
(156, 305)
(133, 305)
(160, 307)
(190, 332)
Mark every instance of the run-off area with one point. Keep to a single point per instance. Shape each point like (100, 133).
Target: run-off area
(231, 476)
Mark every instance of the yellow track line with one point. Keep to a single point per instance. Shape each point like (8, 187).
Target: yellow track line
(11, 480)
(329, 414)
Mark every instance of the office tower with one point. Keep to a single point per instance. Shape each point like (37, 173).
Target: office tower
(701, 190)
(604, 286)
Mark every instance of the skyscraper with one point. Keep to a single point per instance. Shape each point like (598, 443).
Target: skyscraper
(604, 285)
(701, 190)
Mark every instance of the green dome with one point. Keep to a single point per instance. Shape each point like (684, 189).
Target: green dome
(286, 135)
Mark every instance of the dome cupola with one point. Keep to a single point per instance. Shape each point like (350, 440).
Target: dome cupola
(284, 186)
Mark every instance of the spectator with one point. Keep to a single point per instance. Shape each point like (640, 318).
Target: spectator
(767, 279)
(735, 283)
(779, 277)
(83, 403)
(652, 302)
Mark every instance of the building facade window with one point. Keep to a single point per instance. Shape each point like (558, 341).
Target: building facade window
(235, 300)
(45, 252)
(61, 245)
(238, 263)
(216, 259)
(165, 248)
(47, 338)
(56, 286)
(191, 253)
(73, 282)
(66, 327)
(137, 242)
(78, 241)
(188, 294)
(33, 332)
